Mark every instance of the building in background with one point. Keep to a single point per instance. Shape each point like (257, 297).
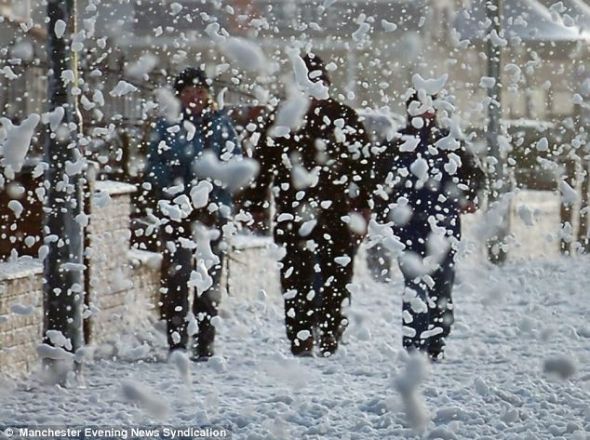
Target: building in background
(376, 45)
(373, 46)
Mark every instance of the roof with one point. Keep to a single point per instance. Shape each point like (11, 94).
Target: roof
(570, 12)
(522, 20)
(268, 18)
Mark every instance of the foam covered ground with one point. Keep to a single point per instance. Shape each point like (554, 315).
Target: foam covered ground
(517, 367)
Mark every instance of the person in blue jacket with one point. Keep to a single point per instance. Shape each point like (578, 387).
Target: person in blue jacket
(433, 179)
(174, 151)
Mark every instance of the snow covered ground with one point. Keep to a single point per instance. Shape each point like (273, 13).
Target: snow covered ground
(512, 324)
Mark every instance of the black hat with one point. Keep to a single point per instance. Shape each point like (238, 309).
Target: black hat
(315, 63)
(190, 77)
(416, 97)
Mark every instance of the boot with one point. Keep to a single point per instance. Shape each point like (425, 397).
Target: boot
(203, 342)
(328, 345)
(302, 348)
(436, 349)
(331, 338)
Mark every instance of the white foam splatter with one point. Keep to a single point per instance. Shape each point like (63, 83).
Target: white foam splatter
(246, 54)
(18, 141)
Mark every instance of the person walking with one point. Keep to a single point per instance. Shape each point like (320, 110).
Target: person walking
(434, 178)
(320, 180)
(175, 148)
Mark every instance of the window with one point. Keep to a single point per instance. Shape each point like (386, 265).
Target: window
(563, 103)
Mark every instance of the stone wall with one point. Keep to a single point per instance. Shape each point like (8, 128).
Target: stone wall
(110, 271)
(535, 225)
(123, 283)
(248, 264)
(21, 314)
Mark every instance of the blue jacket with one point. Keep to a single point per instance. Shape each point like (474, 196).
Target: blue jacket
(171, 155)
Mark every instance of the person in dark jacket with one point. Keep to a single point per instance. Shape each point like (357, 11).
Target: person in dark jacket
(432, 178)
(175, 149)
(319, 177)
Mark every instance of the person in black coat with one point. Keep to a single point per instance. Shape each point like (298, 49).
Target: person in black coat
(432, 178)
(320, 178)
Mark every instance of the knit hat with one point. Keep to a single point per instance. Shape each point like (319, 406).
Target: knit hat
(190, 77)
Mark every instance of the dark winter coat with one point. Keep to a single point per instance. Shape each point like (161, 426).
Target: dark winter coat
(437, 178)
(321, 172)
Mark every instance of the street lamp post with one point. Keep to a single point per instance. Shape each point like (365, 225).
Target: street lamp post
(63, 268)
(497, 177)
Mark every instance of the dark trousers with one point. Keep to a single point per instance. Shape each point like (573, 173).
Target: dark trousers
(177, 265)
(379, 262)
(427, 309)
(313, 284)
